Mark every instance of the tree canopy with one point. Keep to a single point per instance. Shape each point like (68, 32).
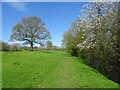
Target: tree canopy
(31, 30)
(96, 37)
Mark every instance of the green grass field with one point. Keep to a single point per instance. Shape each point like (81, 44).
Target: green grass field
(0, 70)
(49, 70)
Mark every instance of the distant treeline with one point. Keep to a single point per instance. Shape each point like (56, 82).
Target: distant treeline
(18, 47)
(6, 47)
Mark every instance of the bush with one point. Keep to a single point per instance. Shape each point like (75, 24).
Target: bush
(83, 53)
(74, 51)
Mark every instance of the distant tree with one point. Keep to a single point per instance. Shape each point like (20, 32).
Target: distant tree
(0, 45)
(49, 45)
(4, 46)
(31, 30)
(74, 36)
(66, 38)
(15, 47)
(55, 47)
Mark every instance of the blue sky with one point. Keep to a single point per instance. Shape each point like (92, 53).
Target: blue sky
(58, 16)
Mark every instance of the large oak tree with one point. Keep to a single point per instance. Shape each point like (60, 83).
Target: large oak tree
(31, 30)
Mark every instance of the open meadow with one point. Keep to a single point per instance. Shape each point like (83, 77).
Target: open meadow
(49, 69)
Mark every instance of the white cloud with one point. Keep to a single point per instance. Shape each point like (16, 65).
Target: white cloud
(12, 43)
(20, 6)
(17, 4)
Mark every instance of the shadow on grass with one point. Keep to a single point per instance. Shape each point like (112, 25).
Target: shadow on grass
(47, 51)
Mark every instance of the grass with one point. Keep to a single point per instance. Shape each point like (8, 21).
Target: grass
(49, 70)
(0, 70)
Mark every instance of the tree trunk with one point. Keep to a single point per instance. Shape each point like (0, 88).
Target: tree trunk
(31, 46)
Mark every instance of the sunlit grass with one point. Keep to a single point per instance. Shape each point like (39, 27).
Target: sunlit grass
(37, 69)
(0, 70)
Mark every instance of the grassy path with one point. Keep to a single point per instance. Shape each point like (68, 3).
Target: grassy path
(49, 70)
